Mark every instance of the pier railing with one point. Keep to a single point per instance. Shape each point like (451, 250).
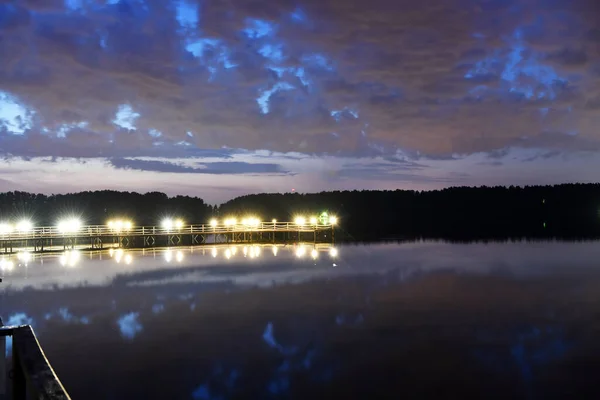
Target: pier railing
(31, 375)
(51, 232)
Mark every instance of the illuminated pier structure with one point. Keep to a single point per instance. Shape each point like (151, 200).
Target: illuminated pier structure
(71, 234)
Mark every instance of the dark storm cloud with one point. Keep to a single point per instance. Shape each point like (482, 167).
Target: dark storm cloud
(332, 76)
(211, 168)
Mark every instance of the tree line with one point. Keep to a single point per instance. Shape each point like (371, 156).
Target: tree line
(97, 207)
(459, 213)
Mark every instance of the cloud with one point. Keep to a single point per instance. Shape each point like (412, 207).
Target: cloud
(211, 168)
(136, 79)
(259, 75)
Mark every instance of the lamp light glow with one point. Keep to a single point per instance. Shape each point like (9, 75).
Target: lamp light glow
(24, 226)
(333, 220)
(69, 225)
(300, 221)
(300, 251)
(167, 223)
(5, 228)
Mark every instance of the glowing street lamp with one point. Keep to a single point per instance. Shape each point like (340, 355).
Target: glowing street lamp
(333, 220)
(214, 223)
(24, 226)
(333, 252)
(300, 221)
(70, 225)
(313, 220)
(167, 224)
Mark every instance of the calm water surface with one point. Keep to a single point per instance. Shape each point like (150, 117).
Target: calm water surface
(416, 320)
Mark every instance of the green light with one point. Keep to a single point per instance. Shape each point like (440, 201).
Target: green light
(324, 218)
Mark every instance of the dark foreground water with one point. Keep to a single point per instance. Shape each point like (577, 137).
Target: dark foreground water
(420, 320)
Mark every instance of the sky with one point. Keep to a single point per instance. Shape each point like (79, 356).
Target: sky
(220, 98)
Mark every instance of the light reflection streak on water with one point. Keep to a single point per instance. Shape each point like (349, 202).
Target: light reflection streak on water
(314, 254)
(300, 251)
(6, 265)
(24, 257)
(19, 275)
(70, 258)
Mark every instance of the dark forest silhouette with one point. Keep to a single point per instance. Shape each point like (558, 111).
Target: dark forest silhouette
(460, 213)
(98, 207)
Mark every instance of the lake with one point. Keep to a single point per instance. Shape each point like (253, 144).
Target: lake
(418, 320)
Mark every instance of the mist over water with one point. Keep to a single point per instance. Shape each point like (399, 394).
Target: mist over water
(514, 320)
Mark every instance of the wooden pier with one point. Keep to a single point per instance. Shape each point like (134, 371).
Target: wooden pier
(124, 235)
(31, 375)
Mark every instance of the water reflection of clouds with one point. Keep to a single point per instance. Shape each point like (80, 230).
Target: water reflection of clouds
(145, 295)
(129, 325)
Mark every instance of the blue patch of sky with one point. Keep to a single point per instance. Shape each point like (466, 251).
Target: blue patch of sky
(19, 318)
(519, 71)
(68, 317)
(186, 13)
(298, 15)
(272, 52)
(74, 5)
(318, 60)
(264, 98)
(126, 117)
(129, 325)
(14, 116)
(154, 133)
(298, 72)
(259, 28)
(338, 115)
(200, 48)
(62, 131)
